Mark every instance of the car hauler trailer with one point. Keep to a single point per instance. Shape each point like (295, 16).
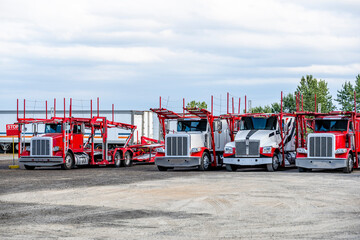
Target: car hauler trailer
(197, 141)
(62, 143)
(144, 152)
(143, 120)
(262, 139)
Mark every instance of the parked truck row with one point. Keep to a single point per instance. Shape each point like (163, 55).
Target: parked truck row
(196, 138)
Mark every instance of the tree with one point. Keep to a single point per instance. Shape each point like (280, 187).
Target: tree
(310, 86)
(345, 97)
(288, 106)
(194, 104)
(275, 107)
(259, 109)
(289, 103)
(357, 90)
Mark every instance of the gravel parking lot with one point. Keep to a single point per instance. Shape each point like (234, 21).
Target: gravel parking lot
(143, 203)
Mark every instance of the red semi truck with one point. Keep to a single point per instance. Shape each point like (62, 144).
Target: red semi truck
(333, 143)
(63, 144)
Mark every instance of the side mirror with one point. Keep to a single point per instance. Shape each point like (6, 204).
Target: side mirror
(347, 142)
(219, 126)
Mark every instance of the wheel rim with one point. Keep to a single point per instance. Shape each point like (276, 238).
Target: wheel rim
(68, 161)
(117, 159)
(127, 159)
(276, 162)
(206, 161)
(351, 164)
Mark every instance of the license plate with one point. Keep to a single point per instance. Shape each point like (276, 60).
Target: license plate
(177, 161)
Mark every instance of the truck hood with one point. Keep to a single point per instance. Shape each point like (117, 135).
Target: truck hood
(259, 135)
(196, 139)
(52, 135)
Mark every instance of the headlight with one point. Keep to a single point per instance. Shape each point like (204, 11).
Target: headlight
(56, 148)
(228, 150)
(195, 150)
(160, 150)
(341, 151)
(302, 150)
(27, 148)
(267, 149)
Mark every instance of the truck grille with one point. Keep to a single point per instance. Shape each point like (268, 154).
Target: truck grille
(250, 150)
(41, 147)
(320, 146)
(177, 146)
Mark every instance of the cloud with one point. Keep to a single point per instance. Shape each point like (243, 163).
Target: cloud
(192, 47)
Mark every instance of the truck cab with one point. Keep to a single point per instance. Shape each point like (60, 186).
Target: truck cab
(330, 146)
(198, 141)
(261, 140)
(46, 149)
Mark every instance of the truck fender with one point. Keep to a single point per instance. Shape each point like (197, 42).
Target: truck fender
(71, 152)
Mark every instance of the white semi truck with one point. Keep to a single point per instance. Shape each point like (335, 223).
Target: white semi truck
(262, 139)
(197, 140)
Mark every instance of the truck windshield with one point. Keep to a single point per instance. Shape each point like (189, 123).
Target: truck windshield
(330, 125)
(53, 128)
(258, 123)
(189, 126)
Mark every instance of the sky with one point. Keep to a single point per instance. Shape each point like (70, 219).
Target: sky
(130, 52)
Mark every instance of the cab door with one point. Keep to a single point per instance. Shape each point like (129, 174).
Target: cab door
(77, 137)
(221, 134)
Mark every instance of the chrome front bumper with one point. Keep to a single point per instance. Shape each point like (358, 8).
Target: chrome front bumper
(41, 161)
(178, 161)
(318, 163)
(248, 161)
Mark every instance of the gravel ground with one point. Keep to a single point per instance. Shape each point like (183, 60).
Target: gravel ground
(143, 203)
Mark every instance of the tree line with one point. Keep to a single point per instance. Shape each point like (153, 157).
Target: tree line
(307, 88)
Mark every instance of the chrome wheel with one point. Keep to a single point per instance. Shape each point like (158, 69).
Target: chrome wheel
(349, 164)
(69, 162)
(274, 165)
(117, 160)
(205, 162)
(128, 159)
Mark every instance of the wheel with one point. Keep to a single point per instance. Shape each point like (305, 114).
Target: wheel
(302, 169)
(69, 162)
(205, 162)
(27, 167)
(349, 164)
(231, 167)
(274, 165)
(128, 160)
(162, 169)
(117, 159)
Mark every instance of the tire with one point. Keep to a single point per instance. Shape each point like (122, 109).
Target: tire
(69, 162)
(302, 169)
(231, 167)
(27, 167)
(128, 162)
(117, 160)
(274, 166)
(162, 169)
(205, 162)
(349, 164)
